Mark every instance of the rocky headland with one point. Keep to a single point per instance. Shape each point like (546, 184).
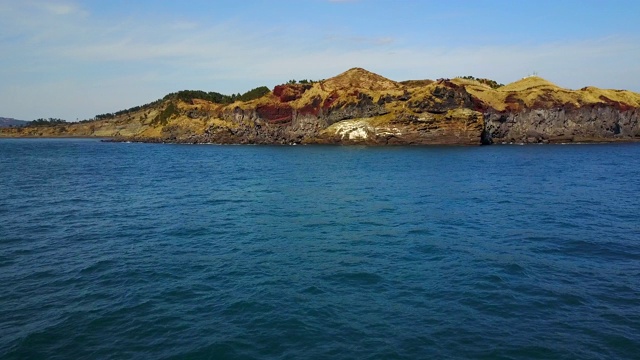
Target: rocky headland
(360, 107)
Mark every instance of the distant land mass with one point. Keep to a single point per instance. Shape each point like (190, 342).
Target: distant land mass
(360, 107)
(9, 122)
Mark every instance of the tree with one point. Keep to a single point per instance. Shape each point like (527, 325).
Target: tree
(47, 122)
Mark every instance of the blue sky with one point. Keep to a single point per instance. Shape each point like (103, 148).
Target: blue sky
(75, 59)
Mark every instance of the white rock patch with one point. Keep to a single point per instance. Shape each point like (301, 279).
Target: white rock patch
(389, 132)
(353, 129)
(361, 130)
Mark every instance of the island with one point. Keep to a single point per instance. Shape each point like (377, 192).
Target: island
(360, 107)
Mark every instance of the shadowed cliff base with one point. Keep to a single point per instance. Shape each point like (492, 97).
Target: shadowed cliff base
(360, 107)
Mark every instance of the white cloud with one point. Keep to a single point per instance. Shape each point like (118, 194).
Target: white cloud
(60, 9)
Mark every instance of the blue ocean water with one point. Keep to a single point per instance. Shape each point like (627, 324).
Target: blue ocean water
(147, 251)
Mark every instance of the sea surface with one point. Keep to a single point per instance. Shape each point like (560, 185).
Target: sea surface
(151, 251)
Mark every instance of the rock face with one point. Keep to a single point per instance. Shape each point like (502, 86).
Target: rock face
(589, 123)
(359, 107)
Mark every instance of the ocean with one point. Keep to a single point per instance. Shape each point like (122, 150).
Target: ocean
(158, 251)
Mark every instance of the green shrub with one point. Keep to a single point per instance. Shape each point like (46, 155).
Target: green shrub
(165, 115)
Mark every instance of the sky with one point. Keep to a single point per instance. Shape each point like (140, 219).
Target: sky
(74, 59)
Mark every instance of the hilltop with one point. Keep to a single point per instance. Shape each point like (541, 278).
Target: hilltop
(358, 106)
(10, 122)
(359, 79)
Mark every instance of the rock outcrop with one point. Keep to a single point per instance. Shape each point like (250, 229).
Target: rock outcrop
(359, 107)
(584, 124)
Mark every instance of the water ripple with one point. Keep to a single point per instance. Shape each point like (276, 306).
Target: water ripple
(144, 251)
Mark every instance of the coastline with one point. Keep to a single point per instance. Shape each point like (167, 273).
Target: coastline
(576, 141)
(358, 107)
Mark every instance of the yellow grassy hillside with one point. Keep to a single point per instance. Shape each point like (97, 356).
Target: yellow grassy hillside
(529, 83)
(534, 90)
(359, 79)
(595, 94)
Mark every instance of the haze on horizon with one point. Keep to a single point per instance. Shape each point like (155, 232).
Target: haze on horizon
(75, 59)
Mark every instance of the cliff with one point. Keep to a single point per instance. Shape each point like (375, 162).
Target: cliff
(359, 107)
